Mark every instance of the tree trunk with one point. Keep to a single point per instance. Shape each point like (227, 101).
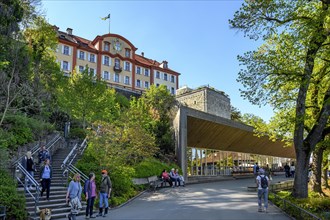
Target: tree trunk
(300, 188)
(317, 169)
(325, 173)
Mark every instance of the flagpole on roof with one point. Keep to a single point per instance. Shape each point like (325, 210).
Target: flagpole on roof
(109, 23)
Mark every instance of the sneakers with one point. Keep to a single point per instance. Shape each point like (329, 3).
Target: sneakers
(265, 210)
(92, 216)
(86, 217)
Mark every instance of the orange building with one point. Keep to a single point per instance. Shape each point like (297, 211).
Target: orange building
(113, 59)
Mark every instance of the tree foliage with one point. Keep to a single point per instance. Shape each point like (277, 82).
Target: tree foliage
(284, 70)
(86, 98)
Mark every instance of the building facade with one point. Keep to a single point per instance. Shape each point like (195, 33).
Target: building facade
(205, 99)
(113, 58)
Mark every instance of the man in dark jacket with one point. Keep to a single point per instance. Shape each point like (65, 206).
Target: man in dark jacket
(105, 191)
(43, 154)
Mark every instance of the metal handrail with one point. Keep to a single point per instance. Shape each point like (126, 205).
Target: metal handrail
(35, 149)
(295, 211)
(28, 177)
(67, 163)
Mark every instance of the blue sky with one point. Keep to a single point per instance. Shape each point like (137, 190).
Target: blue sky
(193, 36)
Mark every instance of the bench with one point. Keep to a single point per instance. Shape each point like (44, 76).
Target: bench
(154, 182)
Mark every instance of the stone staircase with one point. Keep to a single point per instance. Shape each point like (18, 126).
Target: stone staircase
(58, 189)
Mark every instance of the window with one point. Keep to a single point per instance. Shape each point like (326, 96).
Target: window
(106, 61)
(127, 80)
(146, 84)
(158, 75)
(65, 65)
(138, 83)
(127, 52)
(81, 69)
(127, 66)
(172, 91)
(92, 58)
(117, 63)
(66, 50)
(116, 77)
(146, 72)
(165, 76)
(106, 46)
(172, 79)
(81, 55)
(138, 70)
(106, 75)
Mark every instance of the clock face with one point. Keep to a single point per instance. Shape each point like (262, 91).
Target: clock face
(117, 45)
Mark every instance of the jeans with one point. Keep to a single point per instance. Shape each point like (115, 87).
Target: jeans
(104, 198)
(89, 206)
(45, 183)
(263, 193)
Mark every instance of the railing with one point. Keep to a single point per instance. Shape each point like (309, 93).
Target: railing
(67, 163)
(22, 172)
(36, 148)
(292, 209)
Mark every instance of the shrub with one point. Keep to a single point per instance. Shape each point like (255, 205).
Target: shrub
(150, 167)
(9, 197)
(77, 133)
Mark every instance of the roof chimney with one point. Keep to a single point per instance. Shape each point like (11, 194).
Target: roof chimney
(142, 54)
(69, 31)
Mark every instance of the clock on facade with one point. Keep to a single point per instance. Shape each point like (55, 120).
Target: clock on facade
(117, 45)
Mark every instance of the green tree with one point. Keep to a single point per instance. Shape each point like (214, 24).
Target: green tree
(161, 106)
(283, 69)
(86, 98)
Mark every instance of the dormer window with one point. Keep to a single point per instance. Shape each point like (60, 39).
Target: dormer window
(127, 52)
(106, 46)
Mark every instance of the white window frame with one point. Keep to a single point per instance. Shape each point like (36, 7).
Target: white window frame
(90, 58)
(106, 73)
(106, 60)
(106, 46)
(82, 55)
(146, 72)
(138, 83)
(138, 68)
(157, 74)
(127, 66)
(66, 50)
(127, 80)
(172, 91)
(172, 79)
(127, 52)
(165, 76)
(146, 84)
(81, 68)
(116, 78)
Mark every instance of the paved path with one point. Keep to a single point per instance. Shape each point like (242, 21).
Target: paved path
(208, 201)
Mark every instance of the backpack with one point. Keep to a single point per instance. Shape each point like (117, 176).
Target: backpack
(263, 182)
(257, 168)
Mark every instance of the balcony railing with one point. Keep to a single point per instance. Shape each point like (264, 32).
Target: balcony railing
(117, 69)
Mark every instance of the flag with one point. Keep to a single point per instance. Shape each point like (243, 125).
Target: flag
(105, 18)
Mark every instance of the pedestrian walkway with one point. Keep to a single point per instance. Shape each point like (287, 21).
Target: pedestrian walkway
(208, 201)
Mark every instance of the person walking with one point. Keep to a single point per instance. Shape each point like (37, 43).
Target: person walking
(292, 170)
(45, 178)
(90, 190)
(255, 169)
(28, 164)
(73, 197)
(105, 191)
(43, 154)
(287, 170)
(262, 182)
